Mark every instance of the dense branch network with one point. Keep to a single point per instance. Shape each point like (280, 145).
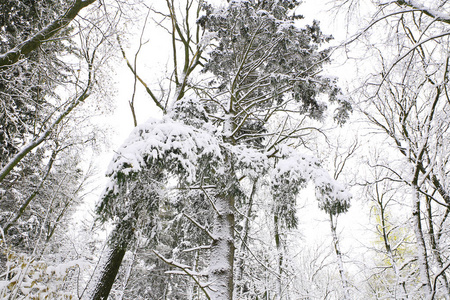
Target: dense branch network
(23, 49)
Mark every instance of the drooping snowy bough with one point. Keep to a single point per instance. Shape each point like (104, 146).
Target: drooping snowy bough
(292, 172)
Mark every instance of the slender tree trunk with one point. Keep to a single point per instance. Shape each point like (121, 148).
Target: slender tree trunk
(421, 247)
(30, 198)
(195, 288)
(279, 254)
(222, 250)
(337, 250)
(128, 272)
(390, 254)
(14, 161)
(240, 286)
(435, 248)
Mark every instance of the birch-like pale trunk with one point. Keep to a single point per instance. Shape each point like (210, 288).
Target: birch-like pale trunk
(424, 273)
(340, 262)
(222, 250)
(390, 254)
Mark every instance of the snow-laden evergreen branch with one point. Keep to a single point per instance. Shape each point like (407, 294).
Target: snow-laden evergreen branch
(187, 270)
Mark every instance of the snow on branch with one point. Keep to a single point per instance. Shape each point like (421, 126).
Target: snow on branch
(26, 47)
(200, 226)
(251, 162)
(167, 144)
(432, 13)
(186, 269)
(294, 170)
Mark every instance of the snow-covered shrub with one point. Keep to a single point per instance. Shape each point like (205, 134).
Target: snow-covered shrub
(31, 279)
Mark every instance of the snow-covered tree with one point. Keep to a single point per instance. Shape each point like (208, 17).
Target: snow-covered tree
(405, 100)
(51, 61)
(263, 83)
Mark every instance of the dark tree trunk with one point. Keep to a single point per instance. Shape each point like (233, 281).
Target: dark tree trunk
(109, 272)
(276, 224)
(119, 240)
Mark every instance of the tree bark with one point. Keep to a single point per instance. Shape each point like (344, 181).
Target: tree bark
(222, 250)
(424, 272)
(120, 239)
(109, 272)
(277, 234)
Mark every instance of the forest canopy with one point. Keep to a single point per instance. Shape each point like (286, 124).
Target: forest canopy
(278, 162)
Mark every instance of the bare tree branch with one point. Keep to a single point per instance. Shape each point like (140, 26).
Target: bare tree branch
(24, 48)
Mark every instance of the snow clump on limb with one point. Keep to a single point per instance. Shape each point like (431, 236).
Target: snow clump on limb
(293, 171)
(181, 143)
(251, 162)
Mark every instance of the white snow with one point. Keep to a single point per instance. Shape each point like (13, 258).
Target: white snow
(295, 170)
(167, 142)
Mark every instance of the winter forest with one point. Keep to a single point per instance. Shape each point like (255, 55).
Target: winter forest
(224, 149)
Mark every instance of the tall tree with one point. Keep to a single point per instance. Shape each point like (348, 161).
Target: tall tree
(186, 56)
(264, 77)
(265, 68)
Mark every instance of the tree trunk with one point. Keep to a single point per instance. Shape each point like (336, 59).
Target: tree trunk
(222, 250)
(345, 285)
(435, 249)
(279, 254)
(120, 239)
(421, 247)
(109, 272)
(390, 254)
(241, 286)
